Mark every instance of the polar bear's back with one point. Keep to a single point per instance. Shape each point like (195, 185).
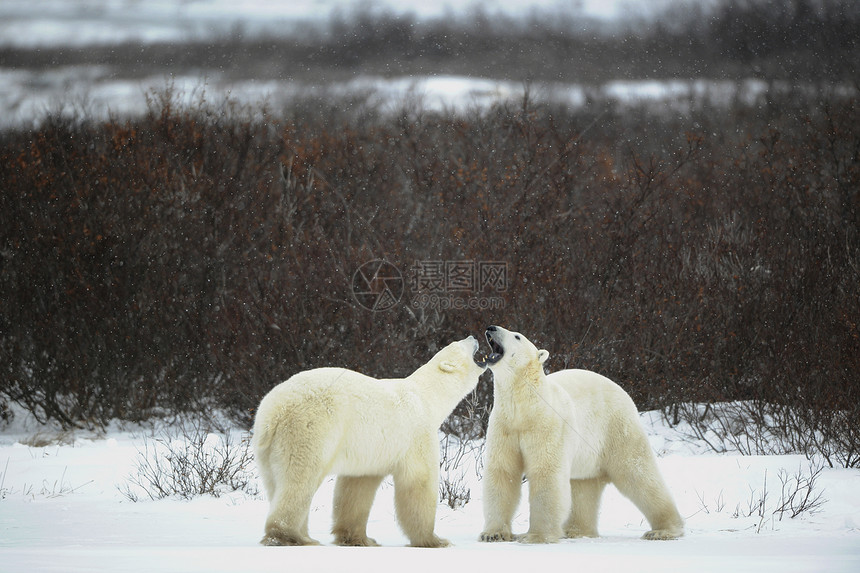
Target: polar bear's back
(335, 390)
(585, 386)
(603, 415)
(330, 397)
(599, 406)
(352, 421)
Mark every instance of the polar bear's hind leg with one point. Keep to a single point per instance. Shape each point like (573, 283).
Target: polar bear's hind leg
(287, 522)
(353, 497)
(294, 477)
(640, 481)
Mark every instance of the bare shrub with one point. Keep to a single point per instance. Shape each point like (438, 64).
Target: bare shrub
(186, 462)
(798, 494)
(49, 489)
(44, 438)
(454, 491)
(4, 491)
(756, 427)
(457, 454)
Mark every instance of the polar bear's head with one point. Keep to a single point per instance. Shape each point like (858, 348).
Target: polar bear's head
(459, 358)
(451, 374)
(512, 352)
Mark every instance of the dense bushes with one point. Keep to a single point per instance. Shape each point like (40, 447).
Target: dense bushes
(193, 258)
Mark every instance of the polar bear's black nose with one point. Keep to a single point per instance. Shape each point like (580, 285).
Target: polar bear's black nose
(492, 328)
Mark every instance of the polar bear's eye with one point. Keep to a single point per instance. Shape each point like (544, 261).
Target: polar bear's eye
(517, 336)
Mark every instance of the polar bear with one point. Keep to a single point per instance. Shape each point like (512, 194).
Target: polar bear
(570, 433)
(336, 421)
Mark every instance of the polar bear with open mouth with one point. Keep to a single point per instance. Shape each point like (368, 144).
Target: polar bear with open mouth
(570, 433)
(336, 421)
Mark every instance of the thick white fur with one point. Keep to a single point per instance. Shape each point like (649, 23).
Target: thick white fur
(337, 421)
(570, 433)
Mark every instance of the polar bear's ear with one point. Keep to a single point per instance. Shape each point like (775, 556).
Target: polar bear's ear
(447, 367)
(542, 355)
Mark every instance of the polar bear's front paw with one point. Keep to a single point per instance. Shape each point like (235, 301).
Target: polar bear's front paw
(494, 536)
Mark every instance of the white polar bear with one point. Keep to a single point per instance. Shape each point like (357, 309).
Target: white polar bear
(570, 433)
(336, 421)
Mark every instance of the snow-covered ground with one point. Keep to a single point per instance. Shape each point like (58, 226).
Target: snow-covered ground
(26, 96)
(62, 509)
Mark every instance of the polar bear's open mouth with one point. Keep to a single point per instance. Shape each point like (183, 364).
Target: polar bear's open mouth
(496, 349)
